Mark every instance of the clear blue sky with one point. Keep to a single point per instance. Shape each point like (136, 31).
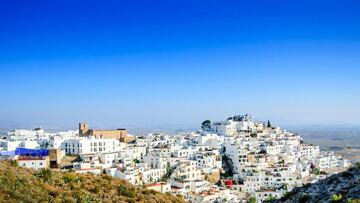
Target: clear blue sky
(149, 63)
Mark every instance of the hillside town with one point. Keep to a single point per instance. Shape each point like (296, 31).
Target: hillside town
(236, 160)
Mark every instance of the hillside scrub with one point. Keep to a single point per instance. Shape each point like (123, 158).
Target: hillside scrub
(18, 184)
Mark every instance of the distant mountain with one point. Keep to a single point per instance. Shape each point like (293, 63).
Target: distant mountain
(325, 136)
(342, 187)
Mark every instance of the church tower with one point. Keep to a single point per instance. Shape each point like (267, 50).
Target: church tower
(83, 129)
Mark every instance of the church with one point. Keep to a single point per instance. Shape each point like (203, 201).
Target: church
(120, 134)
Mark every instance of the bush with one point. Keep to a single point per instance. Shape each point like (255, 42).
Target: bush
(336, 198)
(89, 199)
(14, 163)
(253, 135)
(356, 165)
(19, 182)
(286, 195)
(316, 171)
(271, 198)
(304, 198)
(252, 200)
(45, 175)
(70, 178)
(126, 191)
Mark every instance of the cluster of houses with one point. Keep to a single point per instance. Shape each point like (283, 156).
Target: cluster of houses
(229, 161)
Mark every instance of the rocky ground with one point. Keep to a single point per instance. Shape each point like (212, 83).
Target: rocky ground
(342, 187)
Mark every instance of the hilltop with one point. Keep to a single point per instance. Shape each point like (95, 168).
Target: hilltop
(19, 184)
(342, 187)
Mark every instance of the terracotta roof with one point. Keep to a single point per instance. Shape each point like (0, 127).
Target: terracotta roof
(156, 184)
(31, 158)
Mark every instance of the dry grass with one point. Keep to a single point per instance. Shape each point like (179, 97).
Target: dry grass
(18, 184)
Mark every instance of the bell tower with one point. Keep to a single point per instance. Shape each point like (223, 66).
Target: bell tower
(83, 129)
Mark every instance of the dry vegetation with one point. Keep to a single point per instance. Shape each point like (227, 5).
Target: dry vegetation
(18, 184)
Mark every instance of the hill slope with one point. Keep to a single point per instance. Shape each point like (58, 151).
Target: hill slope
(18, 184)
(342, 187)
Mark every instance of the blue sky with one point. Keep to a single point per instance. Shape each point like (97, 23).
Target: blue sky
(176, 63)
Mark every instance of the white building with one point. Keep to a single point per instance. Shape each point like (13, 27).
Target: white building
(35, 163)
(91, 145)
(187, 171)
(156, 162)
(161, 187)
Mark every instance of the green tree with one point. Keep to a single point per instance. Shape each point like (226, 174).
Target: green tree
(316, 171)
(169, 171)
(270, 198)
(206, 124)
(268, 124)
(252, 200)
(285, 187)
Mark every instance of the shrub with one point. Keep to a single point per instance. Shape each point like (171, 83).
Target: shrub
(347, 174)
(271, 198)
(287, 194)
(316, 171)
(89, 199)
(252, 200)
(304, 198)
(253, 135)
(126, 191)
(336, 198)
(70, 178)
(356, 165)
(19, 182)
(45, 175)
(106, 177)
(14, 163)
